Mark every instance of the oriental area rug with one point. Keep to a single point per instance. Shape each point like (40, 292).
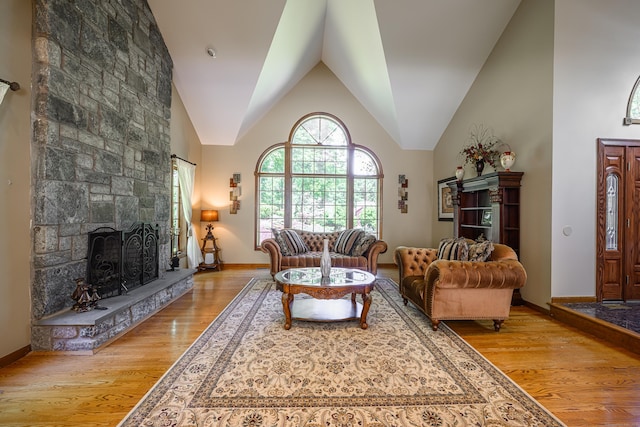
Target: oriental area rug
(247, 370)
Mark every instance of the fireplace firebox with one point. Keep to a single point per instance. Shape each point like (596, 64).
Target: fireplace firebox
(118, 261)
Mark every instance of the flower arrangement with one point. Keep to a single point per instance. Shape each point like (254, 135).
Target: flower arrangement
(481, 146)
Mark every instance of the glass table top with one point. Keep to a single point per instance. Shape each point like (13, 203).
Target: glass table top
(311, 277)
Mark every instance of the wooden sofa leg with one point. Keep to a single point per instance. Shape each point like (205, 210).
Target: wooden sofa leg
(435, 324)
(497, 324)
(405, 301)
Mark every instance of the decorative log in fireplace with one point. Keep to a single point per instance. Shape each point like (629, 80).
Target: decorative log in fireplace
(118, 261)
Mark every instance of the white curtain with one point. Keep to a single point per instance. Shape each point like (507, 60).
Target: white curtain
(3, 90)
(186, 177)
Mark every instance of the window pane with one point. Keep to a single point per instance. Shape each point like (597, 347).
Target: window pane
(612, 213)
(315, 206)
(319, 130)
(337, 159)
(302, 160)
(319, 160)
(364, 164)
(332, 134)
(303, 136)
(273, 162)
(312, 125)
(365, 204)
(270, 205)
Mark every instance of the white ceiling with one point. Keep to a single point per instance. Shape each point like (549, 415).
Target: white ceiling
(409, 62)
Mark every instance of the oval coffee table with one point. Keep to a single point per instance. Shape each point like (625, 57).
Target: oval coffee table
(326, 304)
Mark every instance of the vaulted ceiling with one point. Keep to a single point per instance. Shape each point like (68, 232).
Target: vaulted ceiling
(408, 62)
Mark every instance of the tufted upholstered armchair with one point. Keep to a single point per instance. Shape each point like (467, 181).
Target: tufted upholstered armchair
(457, 290)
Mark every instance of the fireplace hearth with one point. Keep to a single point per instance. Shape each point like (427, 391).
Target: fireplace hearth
(119, 261)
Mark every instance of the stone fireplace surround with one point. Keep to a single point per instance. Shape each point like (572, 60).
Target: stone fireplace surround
(100, 158)
(87, 332)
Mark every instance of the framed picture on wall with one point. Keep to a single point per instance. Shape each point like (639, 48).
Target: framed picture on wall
(445, 200)
(486, 218)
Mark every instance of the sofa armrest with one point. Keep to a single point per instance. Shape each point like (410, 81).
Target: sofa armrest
(271, 247)
(413, 261)
(504, 274)
(378, 247)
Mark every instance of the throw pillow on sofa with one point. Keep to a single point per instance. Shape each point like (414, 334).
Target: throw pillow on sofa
(284, 248)
(289, 241)
(294, 241)
(363, 244)
(347, 240)
(453, 249)
(480, 251)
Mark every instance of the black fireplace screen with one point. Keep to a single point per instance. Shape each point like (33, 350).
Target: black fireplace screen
(118, 261)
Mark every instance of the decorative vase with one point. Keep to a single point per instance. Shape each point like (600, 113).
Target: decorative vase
(507, 159)
(325, 260)
(479, 166)
(459, 173)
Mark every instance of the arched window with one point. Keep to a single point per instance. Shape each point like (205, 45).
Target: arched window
(318, 181)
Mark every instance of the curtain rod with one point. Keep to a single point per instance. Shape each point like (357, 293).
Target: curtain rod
(173, 156)
(12, 85)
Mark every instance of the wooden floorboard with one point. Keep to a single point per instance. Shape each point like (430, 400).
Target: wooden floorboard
(583, 380)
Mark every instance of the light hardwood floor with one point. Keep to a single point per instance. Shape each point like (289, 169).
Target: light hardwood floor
(582, 380)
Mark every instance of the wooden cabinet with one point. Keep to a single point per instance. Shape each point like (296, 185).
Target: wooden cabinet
(488, 205)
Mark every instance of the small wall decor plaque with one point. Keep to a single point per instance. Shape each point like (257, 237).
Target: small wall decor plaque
(234, 193)
(403, 193)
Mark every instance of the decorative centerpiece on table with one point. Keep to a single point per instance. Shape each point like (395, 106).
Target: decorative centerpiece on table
(481, 148)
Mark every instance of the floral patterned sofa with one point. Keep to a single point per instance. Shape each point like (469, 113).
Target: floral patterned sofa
(352, 248)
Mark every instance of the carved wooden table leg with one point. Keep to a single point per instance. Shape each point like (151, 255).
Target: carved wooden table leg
(287, 299)
(366, 303)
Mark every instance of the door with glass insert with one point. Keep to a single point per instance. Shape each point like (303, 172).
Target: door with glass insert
(618, 254)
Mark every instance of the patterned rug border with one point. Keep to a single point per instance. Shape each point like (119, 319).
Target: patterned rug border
(386, 288)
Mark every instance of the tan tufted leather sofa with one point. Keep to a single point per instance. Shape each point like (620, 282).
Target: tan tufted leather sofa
(315, 242)
(456, 290)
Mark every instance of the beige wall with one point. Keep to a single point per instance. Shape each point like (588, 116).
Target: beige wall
(597, 61)
(320, 90)
(538, 103)
(185, 144)
(513, 95)
(15, 176)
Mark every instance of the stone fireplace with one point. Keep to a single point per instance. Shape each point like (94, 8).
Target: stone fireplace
(101, 139)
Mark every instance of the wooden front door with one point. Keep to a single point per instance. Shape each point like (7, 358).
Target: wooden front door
(618, 233)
